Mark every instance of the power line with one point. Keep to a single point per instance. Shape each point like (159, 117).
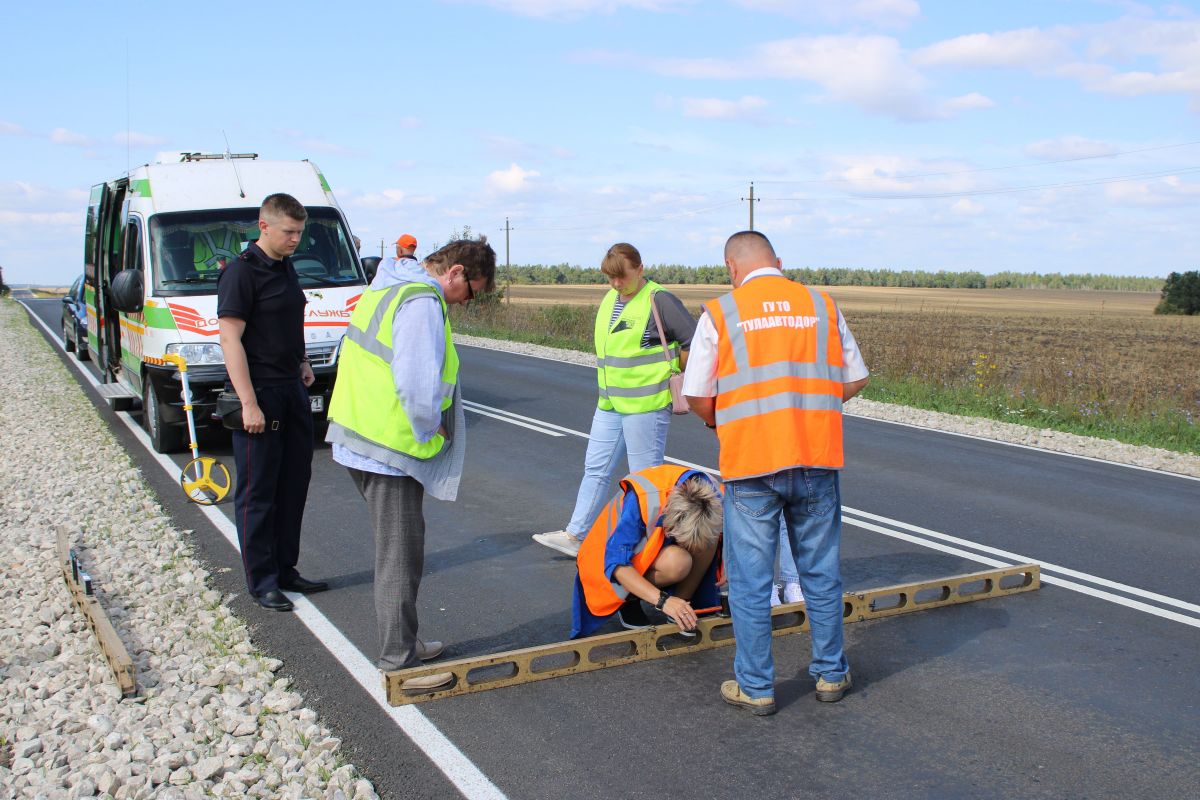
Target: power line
(990, 169)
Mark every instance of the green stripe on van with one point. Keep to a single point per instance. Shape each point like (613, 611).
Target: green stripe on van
(324, 183)
(159, 318)
(140, 187)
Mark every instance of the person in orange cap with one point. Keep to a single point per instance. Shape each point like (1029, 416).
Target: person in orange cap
(406, 247)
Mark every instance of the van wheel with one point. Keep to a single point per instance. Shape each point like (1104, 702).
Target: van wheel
(164, 438)
(68, 337)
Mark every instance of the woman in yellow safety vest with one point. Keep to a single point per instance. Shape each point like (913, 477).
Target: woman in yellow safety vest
(632, 371)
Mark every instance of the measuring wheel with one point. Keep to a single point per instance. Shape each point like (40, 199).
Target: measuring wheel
(205, 481)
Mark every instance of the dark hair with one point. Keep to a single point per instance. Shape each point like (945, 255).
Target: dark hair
(282, 205)
(476, 255)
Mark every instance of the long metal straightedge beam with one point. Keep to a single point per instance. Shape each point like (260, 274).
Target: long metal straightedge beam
(515, 667)
(79, 584)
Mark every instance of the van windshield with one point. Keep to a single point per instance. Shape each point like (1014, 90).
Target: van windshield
(189, 248)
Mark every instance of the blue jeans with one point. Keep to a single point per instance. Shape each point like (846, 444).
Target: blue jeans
(810, 501)
(642, 438)
(785, 564)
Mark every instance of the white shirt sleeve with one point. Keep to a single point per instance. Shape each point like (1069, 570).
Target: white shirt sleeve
(419, 352)
(700, 377)
(856, 368)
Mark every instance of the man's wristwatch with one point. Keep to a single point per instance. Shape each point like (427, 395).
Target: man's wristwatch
(711, 427)
(662, 599)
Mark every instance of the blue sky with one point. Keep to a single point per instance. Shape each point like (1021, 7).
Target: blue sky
(901, 134)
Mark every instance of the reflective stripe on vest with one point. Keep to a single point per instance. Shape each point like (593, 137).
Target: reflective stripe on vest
(631, 379)
(651, 487)
(365, 412)
(786, 358)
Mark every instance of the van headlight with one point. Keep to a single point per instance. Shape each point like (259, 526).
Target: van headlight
(196, 354)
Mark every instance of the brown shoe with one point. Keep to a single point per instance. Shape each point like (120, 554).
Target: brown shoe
(830, 691)
(427, 651)
(758, 706)
(427, 683)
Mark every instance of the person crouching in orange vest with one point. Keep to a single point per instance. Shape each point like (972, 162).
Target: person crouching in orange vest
(655, 541)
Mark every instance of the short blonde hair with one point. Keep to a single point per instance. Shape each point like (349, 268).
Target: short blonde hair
(620, 257)
(693, 514)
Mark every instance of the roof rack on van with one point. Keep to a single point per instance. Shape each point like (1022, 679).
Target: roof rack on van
(214, 156)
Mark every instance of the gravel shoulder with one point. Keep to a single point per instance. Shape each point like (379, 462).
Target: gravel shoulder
(1105, 449)
(216, 718)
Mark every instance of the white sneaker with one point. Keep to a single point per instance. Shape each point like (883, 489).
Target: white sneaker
(792, 593)
(562, 541)
(775, 595)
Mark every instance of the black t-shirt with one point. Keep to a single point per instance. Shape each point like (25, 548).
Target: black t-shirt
(267, 295)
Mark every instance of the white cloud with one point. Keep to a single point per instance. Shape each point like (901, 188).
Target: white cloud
(868, 71)
(64, 136)
(1026, 48)
(1169, 191)
(48, 219)
(968, 102)
(574, 8)
(511, 180)
(1097, 56)
(1068, 147)
(138, 139)
(387, 198)
(966, 207)
(12, 128)
(884, 13)
(715, 108)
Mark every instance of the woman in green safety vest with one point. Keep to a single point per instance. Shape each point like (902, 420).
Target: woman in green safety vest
(633, 411)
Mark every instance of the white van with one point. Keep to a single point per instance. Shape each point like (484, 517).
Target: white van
(155, 241)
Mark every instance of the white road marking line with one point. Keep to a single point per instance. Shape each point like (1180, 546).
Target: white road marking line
(1020, 559)
(509, 416)
(1015, 558)
(1026, 446)
(906, 424)
(1051, 579)
(480, 410)
(444, 754)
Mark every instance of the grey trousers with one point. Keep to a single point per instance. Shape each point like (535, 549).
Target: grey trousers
(394, 503)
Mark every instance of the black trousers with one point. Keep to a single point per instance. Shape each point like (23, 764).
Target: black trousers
(273, 471)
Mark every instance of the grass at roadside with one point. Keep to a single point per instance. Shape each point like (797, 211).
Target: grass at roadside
(1129, 379)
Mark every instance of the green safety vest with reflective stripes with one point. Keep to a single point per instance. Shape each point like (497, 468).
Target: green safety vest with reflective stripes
(633, 379)
(364, 413)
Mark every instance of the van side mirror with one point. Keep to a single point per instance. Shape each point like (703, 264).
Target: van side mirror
(126, 291)
(370, 265)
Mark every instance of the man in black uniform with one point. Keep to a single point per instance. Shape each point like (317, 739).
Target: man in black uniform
(261, 310)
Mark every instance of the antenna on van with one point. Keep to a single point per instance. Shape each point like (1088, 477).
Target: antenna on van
(128, 136)
(232, 163)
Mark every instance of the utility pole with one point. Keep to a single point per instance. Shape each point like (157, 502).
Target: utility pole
(752, 200)
(381, 248)
(507, 265)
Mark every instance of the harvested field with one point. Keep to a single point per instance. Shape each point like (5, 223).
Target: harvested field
(880, 298)
(1096, 363)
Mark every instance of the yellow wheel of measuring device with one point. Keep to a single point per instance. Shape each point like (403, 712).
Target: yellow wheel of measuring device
(205, 481)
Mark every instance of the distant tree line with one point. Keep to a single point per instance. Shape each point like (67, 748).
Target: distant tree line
(842, 276)
(1180, 294)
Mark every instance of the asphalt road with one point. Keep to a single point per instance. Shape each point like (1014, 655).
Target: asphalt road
(1086, 688)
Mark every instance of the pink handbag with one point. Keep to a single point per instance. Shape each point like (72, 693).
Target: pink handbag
(679, 403)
